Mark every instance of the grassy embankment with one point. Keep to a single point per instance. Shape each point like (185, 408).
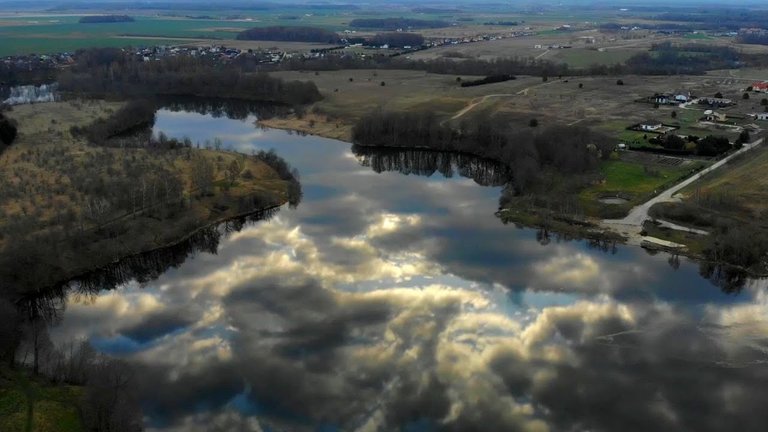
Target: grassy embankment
(38, 195)
(735, 195)
(33, 404)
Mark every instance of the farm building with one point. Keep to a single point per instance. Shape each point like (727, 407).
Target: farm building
(760, 87)
(760, 116)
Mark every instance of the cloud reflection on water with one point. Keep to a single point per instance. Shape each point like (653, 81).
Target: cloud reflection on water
(388, 301)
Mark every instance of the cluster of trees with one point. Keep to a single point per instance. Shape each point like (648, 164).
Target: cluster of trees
(8, 131)
(397, 39)
(753, 38)
(502, 23)
(691, 59)
(290, 34)
(285, 172)
(745, 245)
(488, 80)
(108, 72)
(397, 23)
(105, 19)
(568, 150)
(134, 116)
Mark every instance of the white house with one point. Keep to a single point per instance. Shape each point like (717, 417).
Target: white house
(761, 116)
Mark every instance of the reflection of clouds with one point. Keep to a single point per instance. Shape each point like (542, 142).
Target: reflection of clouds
(389, 302)
(271, 317)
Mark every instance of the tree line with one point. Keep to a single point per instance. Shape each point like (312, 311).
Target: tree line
(392, 24)
(99, 19)
(109, 72)
(492, 79)
(30, 71)
(568, 150)
(665, 59)
(290, 34)
(753, 38)
(719, 18)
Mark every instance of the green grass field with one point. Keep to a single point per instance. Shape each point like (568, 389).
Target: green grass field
(582, 58)
(630, 180)
(56, 34)
(50, 34)
(28, 404)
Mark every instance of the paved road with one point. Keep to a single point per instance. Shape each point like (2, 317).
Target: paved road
(639, 214)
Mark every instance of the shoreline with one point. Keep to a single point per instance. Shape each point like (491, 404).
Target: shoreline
(596, 231)
(80, 275)
(310, 124)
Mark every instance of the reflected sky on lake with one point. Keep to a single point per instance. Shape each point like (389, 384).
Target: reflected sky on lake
(393, 302)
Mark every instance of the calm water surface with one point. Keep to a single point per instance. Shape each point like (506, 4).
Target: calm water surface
(400, 302)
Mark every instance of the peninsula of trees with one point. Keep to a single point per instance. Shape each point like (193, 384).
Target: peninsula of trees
(567, 150)
(84, 191)
(104, 19)
(290, 34)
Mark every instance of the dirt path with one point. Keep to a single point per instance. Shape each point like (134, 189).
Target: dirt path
(638, 215)
(475, 102)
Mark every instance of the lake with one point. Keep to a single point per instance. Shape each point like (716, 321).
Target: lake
(392, 298)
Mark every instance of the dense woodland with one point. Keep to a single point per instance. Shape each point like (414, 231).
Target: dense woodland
(110, 72)
(32, 72)
(290, 34)
(392, 24)
(529, 153)
(105, 19)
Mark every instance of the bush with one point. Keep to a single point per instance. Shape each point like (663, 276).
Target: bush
(620, 82)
